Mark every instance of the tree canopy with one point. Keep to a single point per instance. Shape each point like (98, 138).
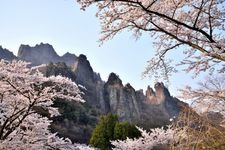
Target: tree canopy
(123, 130)
(109, 128)
(103, 132)
(21, 91)
(196, 27)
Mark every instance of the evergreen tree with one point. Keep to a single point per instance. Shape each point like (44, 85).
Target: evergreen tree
(109, 129)
(124, 129)
(103, 132)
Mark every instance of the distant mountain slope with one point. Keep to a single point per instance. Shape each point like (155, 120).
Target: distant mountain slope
(6, 54)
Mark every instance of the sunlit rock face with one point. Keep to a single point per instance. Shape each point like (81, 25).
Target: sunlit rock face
(121, 99)
(43, 54)
(91, 81)
(151, 96)
(158, 96)
(155, 108)
(83, 71)
(159, 106)
(6, 54)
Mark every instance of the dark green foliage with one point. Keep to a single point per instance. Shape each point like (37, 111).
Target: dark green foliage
(76, 120)
(103, 132)
(124, 129)
(109, 129)
(76, 112)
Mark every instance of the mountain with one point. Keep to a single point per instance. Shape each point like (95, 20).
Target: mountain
(69, 58)
(90, 80)
(6, 54)
(43, 54)
(153, 107)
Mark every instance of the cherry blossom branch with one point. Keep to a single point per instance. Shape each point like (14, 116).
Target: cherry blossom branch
(189, 22)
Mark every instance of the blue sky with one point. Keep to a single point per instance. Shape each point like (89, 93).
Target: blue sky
(62, 24)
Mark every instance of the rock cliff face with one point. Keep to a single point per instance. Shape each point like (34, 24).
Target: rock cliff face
(43, 54)
(120, 99)
(155, 108)
(69, 59)
(90, 80)
(6, 54)
(158, 96)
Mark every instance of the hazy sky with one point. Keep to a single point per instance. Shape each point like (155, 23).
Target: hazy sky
(62, 24)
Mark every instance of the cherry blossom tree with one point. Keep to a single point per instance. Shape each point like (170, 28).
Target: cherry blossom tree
(22, 90)
(195, 27)
(212, 88)
(149, 140)
(209, 96)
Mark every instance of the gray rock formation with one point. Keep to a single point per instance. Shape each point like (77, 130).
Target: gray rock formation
(153, 109)
(69, 59)
(157, 97)
(39, 54)
(43, 54)
(83, 71)
(91, 81)
(121, 100)
(6, 54)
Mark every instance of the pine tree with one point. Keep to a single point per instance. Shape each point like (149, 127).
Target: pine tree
(103, 132)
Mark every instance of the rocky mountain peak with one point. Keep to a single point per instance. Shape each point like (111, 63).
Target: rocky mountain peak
(150, 96)
(39, 54)
(159, 95)
(161, 91)
(24, 46)
(82, 58)
(67, 54)
(114, 79)
(159, 85)
(43, 53)
(6, 54)
(83, 63)
(129, 88)
(83, 71)
(69, 58)
(150, 91)
(41, 48)
(45, 45)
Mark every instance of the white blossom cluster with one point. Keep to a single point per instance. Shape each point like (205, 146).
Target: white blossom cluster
(21, 91)
(209, 96)
(147, 141)
(194, 26)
